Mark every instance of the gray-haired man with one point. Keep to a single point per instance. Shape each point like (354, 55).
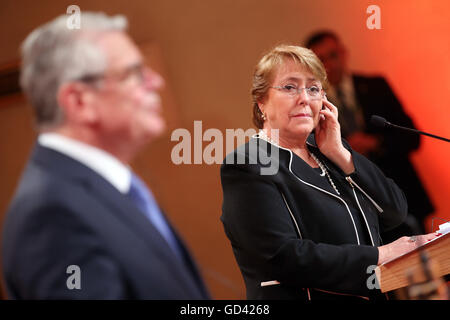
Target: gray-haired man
(82, 224)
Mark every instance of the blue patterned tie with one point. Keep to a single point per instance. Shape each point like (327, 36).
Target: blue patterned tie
(144, 200)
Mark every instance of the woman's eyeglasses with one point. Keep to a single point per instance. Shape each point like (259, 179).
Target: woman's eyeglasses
(313, 92)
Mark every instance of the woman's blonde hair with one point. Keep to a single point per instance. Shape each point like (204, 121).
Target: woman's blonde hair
(269, 64)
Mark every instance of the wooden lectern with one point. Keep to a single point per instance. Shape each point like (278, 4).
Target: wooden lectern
(393, 274)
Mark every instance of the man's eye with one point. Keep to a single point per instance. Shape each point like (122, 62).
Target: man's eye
(132, 74)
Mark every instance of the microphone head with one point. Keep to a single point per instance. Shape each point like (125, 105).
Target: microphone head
(378, 121)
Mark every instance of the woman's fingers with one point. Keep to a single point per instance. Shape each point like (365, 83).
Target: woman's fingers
(326, 112)
(404, 245)
(429, 236)
(329, 115)
(328, 105)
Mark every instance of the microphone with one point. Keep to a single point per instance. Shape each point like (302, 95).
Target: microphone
(381, 122)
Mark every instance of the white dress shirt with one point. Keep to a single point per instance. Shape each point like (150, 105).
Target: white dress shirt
(102, 162)
(348, 91)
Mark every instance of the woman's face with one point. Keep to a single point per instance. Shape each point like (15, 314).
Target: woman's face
(294, 116)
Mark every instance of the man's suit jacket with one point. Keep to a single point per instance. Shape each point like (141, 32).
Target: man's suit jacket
(376, 97)
(64, 214)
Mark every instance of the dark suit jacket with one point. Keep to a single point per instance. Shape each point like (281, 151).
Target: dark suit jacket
(294, 228)
(63, 214)
(375, 97)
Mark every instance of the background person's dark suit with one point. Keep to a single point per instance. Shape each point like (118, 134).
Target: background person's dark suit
(375, 97)
(66, 214)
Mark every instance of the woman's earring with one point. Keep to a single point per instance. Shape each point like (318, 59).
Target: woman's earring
(264, 117)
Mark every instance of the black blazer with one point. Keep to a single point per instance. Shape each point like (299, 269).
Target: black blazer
(294, 228)
(63, 214)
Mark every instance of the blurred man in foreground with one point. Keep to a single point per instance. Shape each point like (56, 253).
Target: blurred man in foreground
(82, 225)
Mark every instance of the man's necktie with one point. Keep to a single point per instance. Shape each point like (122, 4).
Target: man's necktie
(347, 116)
(144, 200)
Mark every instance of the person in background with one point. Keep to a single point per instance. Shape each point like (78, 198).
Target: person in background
(359, 97)
(82, 224)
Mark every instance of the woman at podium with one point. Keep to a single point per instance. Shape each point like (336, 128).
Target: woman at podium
(310, 229)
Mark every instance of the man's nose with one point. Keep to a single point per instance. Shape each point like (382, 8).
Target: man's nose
(152, 79)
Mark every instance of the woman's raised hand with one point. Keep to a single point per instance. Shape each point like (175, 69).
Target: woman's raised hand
(328, 137)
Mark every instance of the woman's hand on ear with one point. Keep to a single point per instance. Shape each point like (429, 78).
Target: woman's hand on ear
(328, 138)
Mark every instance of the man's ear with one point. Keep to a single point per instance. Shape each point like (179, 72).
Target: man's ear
(76, 101)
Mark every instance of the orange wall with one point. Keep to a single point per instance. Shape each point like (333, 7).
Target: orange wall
(209, 49)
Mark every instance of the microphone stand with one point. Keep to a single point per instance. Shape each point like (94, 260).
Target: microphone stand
(381, 122)
(417, 131)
